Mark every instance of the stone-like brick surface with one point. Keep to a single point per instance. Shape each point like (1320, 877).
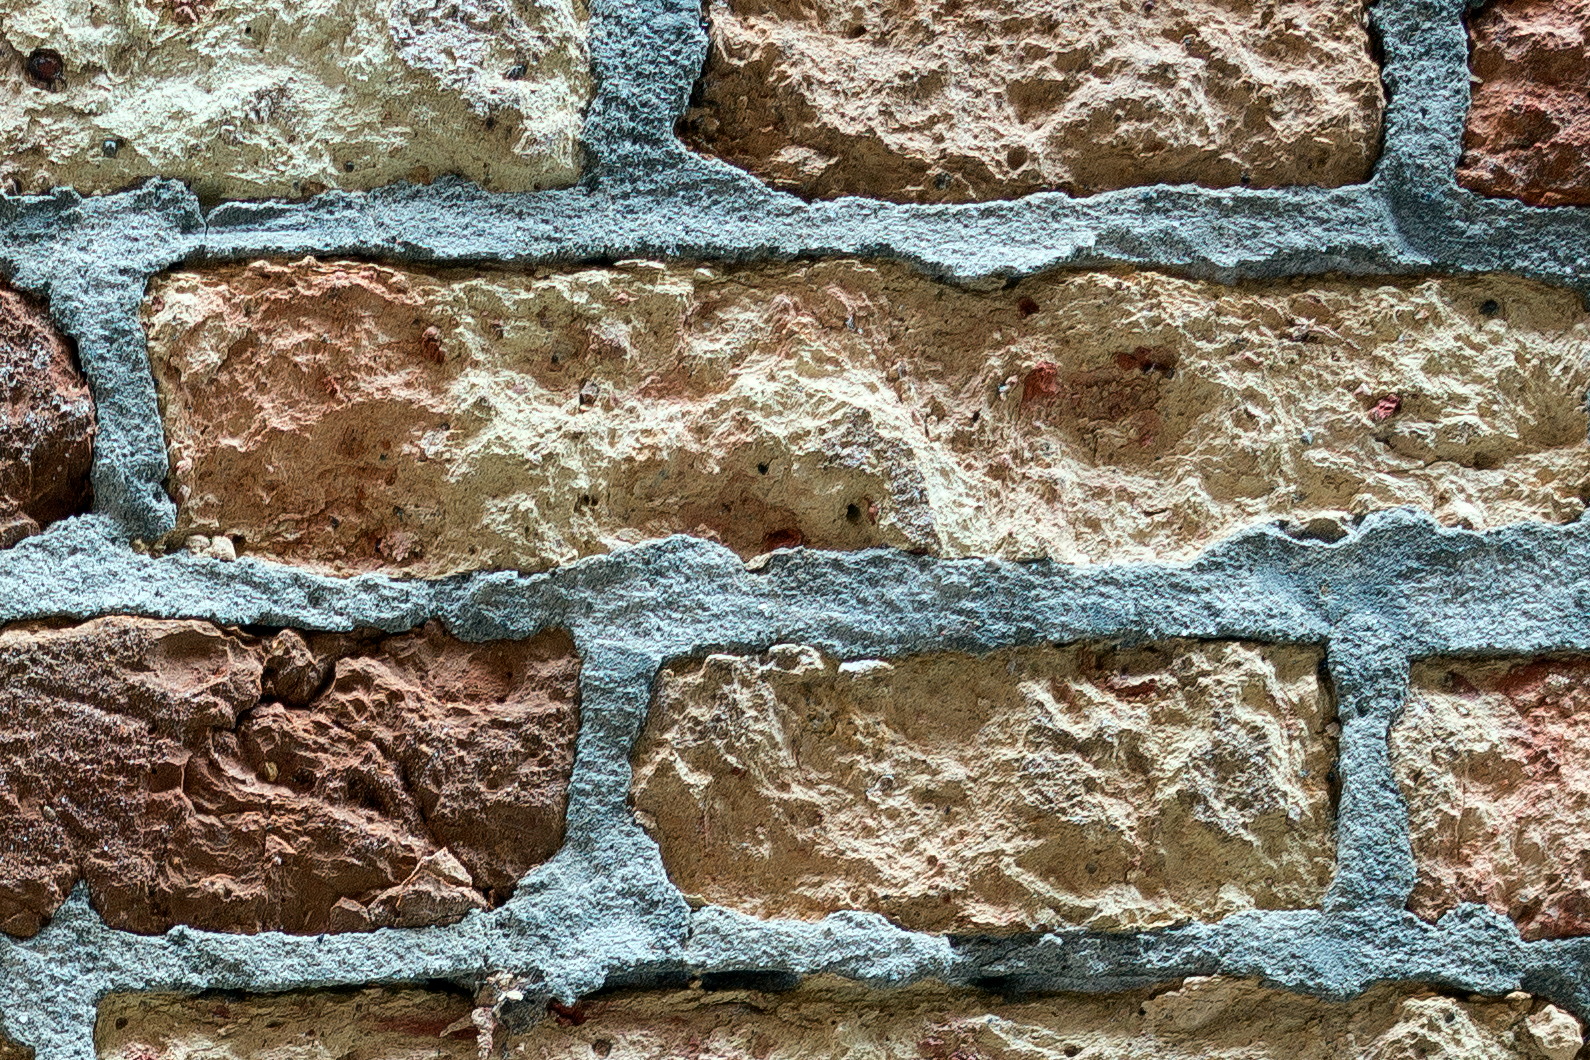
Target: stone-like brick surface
(246, 100)
(46, 422)
(1494, 760)
(10, 1050)
(240, 783)
(355, 416)
(1201, 1019)
(374, 1024)
(1034, 788)
(1529, 128)
(948, 101)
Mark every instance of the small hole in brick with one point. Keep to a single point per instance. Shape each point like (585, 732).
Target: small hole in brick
(761, 469)
(853, 513)
(1026, 306)
(1490, 307)
(45, 67)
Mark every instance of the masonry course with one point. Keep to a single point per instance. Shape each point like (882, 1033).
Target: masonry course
(197, 776)
(1198, 1019)
(953, 102)
(248, 101)
(359, 417)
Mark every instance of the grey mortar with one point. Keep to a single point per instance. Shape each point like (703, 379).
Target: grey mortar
(602, 911)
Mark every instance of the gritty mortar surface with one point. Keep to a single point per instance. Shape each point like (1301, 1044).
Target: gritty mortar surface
(602, 910)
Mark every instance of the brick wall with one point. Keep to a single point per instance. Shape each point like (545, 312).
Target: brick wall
(962, 530)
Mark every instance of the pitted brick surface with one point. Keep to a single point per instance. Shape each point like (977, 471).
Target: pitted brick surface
(46, 422)
(248, 100)
(1529, 127)
(1109, 788)
(355, 416)
(374, 1024)
(1492, 759)
(948, 101)
(1198, 1019)
(193, 775)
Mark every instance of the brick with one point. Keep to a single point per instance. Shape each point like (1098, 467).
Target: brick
(1199, 1019)
(950, 101)
(303, 783)
(355, 417)
(10, 1050)
(1112, 788)
(1491, 756)
(46, 422)
(248, 100)
(370, 1024)
(1529, 124)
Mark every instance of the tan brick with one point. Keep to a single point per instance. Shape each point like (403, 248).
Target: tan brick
(1494, 761)
(10, 1050)
(1112, 788)
(1529, 126)
(241, 783)
(956, 100)
(1200, 1019)
(353, 416)
(372, 1024)
(249, 100)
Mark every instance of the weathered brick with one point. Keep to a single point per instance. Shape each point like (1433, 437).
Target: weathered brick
(355, 416)
(948, 101)
(10, 1050)
(371, 1024)
(1114, 788)
(1494, 761)
(46, 422)
(246, 100)
(235, 782)
(1529, 126)
(1199, 1019)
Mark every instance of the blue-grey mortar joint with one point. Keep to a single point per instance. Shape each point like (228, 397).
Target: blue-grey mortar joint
(1398, 588)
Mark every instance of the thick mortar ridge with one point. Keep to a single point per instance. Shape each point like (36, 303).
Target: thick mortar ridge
(602, 911)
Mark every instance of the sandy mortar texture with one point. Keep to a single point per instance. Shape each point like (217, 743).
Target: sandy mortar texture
(1376, 570)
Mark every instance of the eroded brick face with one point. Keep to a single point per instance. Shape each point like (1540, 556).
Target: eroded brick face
(1199, 1019)
(1492, 757)
(370, 1024)
(1033, 788)
(201, 776)
(353, 416)
(1529, 126)
(949, 101)
(46, 422)
(247, 100)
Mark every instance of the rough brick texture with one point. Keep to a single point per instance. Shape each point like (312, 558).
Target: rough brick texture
(1493, 762)
(248, 100)
(948, 101)
(356, 416)
(1529, 125)
(372, 1024)
(1199, 1019)
(200, 776)
(46, 422)
(1105, 787)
